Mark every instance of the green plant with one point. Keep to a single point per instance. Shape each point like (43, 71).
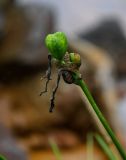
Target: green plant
(68, 66)
(105, 147)
(55, 149)
(2, 157)
(100, 116)
(90, 147)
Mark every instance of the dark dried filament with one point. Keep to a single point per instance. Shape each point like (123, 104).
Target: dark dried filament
(48, 74)
(54, 92)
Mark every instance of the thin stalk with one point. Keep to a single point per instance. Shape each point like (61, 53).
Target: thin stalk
(100, 116)
(55, 149)
(105, 147)
(90, 147)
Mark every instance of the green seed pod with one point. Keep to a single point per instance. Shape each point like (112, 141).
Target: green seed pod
(75, 58)
(57, 44)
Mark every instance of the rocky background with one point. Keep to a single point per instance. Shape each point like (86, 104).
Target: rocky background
(110, 36)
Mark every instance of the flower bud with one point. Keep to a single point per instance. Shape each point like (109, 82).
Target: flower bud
(57, 44)
(75, 58)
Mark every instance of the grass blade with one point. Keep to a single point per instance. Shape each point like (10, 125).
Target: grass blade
(90, 147)
(55, 149)
(105, 147)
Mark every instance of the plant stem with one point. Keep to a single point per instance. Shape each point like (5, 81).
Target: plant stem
(105, 147)
(100, 116)
(55, 149)
(90, 147)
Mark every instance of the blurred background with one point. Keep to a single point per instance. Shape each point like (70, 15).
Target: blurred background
(97, 31)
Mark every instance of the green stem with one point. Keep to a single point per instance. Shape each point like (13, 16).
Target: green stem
(90, 147)
(55, 149)
(105, 147)
(100, 116)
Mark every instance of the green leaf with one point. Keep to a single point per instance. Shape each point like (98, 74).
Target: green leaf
(57, 44)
